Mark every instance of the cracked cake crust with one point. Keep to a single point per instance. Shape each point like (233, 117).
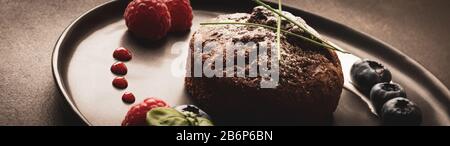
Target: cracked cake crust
(310, 78)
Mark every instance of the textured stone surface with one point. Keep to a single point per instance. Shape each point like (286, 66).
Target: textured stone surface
(30, 28)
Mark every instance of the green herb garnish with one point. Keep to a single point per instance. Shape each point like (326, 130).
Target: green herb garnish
(272, 28)
(279, 13)
(314, 40)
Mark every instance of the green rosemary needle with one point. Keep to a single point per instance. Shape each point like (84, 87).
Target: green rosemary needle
(279, 31)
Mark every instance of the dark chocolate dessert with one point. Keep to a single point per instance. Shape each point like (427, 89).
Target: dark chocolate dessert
(310, 77)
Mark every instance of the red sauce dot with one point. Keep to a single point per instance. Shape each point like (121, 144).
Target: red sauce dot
(122, 54)
(120, 82)
(119, 68)
(128, 97)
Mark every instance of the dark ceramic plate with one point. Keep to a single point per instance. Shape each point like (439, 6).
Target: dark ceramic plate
(83, 55)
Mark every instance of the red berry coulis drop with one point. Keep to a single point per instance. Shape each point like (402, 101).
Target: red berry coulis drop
(119, 68)
(122, 54)
(120, 82)
(128, 97)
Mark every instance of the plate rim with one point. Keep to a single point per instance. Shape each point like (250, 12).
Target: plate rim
(62, 38)
(55, 57)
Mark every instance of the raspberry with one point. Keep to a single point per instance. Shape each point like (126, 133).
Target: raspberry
(136, 116)
(181, 14)
(148, 19)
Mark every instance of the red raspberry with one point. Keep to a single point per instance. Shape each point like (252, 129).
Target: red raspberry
(181, 13)
(137, 114)
(148, 19)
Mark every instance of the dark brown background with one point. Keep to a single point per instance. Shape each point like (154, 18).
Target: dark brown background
(30, 28)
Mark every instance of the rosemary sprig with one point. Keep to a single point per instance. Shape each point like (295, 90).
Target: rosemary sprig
(273, 28)
(279, 30)
(279, 13)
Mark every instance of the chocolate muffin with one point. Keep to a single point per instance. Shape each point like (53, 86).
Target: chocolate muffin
(310, 77)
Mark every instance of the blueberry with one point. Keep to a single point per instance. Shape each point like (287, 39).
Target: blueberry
(366, 73)
(382, 92)
(401, 111)
(192, 109)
